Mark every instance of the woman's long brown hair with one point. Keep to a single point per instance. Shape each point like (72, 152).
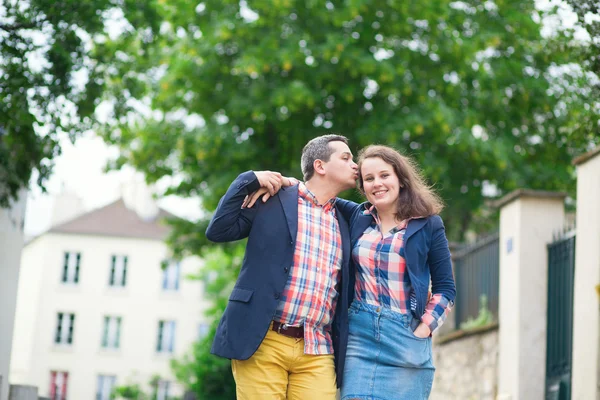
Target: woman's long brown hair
(416, 198)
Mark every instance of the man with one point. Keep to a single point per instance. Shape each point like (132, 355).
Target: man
(284, 320)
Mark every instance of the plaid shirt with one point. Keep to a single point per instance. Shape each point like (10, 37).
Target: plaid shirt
(310, 294)
(382, 278)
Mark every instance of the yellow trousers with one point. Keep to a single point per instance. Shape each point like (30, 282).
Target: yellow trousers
(280, 370)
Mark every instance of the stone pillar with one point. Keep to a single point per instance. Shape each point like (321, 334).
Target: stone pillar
(586, 320)
(11, 243)
(23, 392)
(528, 220)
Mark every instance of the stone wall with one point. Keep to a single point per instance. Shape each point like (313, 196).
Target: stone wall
(466, 365)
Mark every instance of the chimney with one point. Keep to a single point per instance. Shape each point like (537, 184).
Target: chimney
(139, 198)
(67, 206)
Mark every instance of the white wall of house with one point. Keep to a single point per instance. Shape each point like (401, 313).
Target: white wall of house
(586, 308)
(141, 305)
(11, 242)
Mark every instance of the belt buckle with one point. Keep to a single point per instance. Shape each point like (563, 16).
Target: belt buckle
(284, 326)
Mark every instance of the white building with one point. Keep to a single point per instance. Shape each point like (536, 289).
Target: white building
(96, 310)
(11, 242)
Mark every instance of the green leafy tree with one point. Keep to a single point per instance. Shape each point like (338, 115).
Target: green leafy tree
(133, 391)
(49, 84)
(206, 375)
(130, 392)
(470, 89)
(588, 14)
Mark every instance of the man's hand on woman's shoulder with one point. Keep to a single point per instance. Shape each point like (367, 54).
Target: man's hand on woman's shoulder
(265, 191)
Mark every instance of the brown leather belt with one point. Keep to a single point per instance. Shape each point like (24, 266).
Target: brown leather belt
(291, 331)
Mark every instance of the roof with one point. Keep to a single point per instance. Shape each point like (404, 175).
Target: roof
(587, 156)
(116, 220)
(518, 193)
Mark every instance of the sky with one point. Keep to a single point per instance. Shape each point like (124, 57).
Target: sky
(79, 170)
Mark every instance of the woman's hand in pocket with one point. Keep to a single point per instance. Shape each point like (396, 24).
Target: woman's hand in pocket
(422, 331)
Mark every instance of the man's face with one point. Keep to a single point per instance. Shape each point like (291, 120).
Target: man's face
(341, 170)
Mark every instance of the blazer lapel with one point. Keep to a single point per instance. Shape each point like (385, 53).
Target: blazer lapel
(362, 223)
(344, 234)
(413, 226)
(289, 201)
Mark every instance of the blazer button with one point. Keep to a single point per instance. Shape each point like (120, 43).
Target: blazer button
(286, 269)
(276, 295)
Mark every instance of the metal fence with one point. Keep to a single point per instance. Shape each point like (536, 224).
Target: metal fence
(21, 392)
(477, 276)
(561, 275)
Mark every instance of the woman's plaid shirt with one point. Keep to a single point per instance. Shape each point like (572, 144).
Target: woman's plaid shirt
(382, 278)
(310, 293)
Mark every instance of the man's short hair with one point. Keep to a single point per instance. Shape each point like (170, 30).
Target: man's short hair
(318, 149)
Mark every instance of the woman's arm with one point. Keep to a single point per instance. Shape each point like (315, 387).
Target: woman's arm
(442, 279)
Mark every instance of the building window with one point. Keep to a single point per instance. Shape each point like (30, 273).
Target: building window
(203, 329)
(58, 385)
(118, 271)
(166, 336)
(162, 390)
(106, 384)
(64, 328)
(70, 273)
(171, 276)
(111, 334)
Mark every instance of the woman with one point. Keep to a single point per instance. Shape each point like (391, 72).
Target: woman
(398, 246)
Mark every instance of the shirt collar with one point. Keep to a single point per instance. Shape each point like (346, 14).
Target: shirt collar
(371, 210)
(309, 196)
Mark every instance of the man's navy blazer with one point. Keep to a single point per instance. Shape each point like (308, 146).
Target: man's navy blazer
(271, 229)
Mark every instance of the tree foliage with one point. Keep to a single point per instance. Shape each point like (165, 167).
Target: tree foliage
(588, 14)
(49, 85)
(210, 377)
(470, 89)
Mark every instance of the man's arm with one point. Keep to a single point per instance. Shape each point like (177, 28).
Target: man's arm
(265, 194)
(230, 222)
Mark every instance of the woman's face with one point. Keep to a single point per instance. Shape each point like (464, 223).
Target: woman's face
(380, 183)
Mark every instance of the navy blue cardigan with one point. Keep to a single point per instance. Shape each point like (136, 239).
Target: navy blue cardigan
(271, 229)
(425, 251)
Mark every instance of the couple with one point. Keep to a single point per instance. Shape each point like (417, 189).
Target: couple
(333, 288)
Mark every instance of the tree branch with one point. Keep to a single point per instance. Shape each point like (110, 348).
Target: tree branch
(16, 27)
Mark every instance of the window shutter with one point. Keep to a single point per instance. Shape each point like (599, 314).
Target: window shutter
(76, 279)
(65, 274)
(113, 270)
(124, 282)
(57, 337)
(118, 333)
(71, 328)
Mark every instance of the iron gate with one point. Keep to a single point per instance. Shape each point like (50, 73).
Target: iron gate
(561, 273)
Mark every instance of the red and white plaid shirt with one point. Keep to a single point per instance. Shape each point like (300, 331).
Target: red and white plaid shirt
(310, 295)
(382, 277)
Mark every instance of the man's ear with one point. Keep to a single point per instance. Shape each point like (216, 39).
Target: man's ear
(319, 167)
